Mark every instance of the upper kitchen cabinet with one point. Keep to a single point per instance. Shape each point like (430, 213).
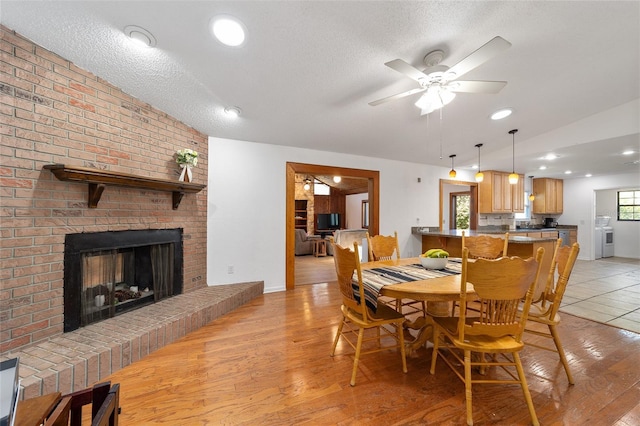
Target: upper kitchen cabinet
(497, 195)
(548, 196)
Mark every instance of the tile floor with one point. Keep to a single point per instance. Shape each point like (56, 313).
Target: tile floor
(606, 291)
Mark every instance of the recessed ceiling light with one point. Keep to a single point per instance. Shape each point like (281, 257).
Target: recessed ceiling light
(233, 111)
(140, 36)
(550, 157)
(475, 166)
(228, 30)
(542, 167)
(628, 152)
(567, 172)
(500, 114)
(588, 175)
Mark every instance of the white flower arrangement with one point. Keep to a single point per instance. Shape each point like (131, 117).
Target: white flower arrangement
(187, 156)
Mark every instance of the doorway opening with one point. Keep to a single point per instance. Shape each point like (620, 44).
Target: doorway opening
(373, 178)
(449, 190)
(460, 210)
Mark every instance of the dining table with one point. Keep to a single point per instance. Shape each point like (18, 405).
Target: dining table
(408, 279)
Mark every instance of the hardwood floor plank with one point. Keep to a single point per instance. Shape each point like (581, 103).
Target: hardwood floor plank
(268, 363)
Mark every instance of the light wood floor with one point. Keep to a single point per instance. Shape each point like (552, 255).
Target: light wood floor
(314, 270)
(268, 363)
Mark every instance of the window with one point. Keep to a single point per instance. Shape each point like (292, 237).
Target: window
(629, 205)
(320, 188)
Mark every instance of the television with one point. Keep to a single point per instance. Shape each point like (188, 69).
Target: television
(328, 221)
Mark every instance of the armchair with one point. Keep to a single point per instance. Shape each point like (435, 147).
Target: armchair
(303, 244)
(346, 238)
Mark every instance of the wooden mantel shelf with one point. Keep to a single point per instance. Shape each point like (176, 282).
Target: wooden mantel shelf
(98, 179)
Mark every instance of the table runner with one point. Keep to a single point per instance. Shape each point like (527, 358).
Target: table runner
(374, 279)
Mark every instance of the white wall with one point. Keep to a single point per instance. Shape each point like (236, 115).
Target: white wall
(353, 207)
(580, 209)
(246, 205)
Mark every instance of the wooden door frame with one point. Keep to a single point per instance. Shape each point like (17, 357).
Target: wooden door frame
(473, 188)
(373, 177)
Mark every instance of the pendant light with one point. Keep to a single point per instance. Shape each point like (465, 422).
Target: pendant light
(452, 172)
(479, 175)
(513, 177)
(532, 196)
(307, 184)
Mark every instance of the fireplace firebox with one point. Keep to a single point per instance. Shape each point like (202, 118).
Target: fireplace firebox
(108, 273)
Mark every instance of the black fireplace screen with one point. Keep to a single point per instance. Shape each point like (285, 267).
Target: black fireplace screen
(108, 273)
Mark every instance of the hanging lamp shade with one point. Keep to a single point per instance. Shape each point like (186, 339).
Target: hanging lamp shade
(479, 174)
(452, 172)
(513, 177)
(532, 196)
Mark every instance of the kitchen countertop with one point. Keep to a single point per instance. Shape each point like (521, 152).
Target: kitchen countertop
(457, 233)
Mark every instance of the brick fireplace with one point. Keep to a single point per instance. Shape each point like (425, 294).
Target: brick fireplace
(54, 112)
(109, 273)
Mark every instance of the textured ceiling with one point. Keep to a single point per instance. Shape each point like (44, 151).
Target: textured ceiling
(308, 70)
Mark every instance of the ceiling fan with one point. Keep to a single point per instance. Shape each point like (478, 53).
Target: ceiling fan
(441, 82)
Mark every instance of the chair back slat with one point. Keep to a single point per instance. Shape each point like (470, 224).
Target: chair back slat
(565, 258)
(486, 247)
(60, 415)
(108, 411)
(501, 285)
(382, 247)
(347, 262)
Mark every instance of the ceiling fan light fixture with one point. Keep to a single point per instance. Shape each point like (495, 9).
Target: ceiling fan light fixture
(452, 172)
(500, 114)
(435, 98)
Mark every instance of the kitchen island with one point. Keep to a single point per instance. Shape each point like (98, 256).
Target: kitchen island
(451, 241)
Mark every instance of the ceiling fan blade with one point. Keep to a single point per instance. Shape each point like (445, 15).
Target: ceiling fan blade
(398, 96)
(406, 69)
(480, 56)
(490, 87)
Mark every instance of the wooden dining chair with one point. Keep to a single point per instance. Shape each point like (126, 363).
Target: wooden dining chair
(502, 286)
(60, 414)
(358, 317)
(109, 410)
(545, 309)
(104, 400)
(483, 247)
(383, 247)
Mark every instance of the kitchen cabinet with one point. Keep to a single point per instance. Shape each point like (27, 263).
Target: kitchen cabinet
(497, 195)
(548, 196)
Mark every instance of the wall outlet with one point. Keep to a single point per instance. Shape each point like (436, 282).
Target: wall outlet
(230, 269)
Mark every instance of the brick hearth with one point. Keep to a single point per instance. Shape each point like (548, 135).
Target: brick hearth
(79, 359)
